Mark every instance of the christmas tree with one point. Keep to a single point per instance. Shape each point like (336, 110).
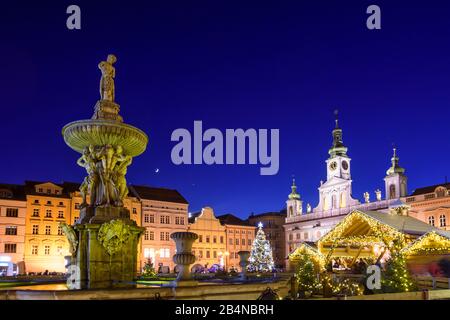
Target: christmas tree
(396, 277)
(261, 259)
(306, 275)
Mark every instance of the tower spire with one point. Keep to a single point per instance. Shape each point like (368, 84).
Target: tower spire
(338, 148)
(395, 167)
(294, 194)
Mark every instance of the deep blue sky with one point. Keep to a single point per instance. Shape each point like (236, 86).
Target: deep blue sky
(232, 64)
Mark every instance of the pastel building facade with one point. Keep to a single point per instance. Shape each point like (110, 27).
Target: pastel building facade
(12, 229)
(163, 212)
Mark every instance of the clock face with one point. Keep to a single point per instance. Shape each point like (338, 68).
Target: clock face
(345, 165)
(333, 166)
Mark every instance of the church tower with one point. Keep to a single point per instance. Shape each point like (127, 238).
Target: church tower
(294, 205)
(336, 192)
(395, 180)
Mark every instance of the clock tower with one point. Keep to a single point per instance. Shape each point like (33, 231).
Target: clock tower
(336, 192)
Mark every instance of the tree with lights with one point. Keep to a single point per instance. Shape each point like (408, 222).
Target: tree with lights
(306, 275)
(261, 259)
(396, 277)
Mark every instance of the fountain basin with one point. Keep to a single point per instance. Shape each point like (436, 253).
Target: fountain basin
(81, 134)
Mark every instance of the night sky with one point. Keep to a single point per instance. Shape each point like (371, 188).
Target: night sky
(232, 64)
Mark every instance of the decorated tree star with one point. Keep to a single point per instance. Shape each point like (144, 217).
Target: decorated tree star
(261, 259)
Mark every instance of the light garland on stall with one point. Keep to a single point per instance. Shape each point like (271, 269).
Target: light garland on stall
(430, 243)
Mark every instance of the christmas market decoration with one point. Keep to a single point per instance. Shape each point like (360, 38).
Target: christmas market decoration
(396, 277)
(430, 243)
(149, 269)
(347, 287)
(304, 248)
(307, 278)
(261, 259)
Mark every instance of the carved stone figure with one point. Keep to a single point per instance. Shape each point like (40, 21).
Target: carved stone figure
(107, 89)
(378, 194)
(366, 197)
(90, 182)
(113, 235)
(71, 236)
(308, 208)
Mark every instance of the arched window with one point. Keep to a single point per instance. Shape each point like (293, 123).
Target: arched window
(392, 191)
(442, 220)
(333, 202)
(291, 211)
(343, 200)
(431, 221)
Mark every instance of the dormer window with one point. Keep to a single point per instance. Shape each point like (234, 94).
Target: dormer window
(36, 201)
(49, 202)
(49, 191)
(40, 190)
(6, 194)
(441, 192)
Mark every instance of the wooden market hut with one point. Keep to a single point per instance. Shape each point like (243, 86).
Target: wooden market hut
(368, 234)
(424, 255)
(306, 248)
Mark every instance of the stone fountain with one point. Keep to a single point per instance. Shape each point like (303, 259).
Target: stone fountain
(104, 240)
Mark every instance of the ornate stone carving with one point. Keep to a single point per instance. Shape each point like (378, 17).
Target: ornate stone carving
(113, 235)
(107, 88)
(71, 235)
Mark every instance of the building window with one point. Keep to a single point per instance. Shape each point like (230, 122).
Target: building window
(392, 191)
(431, 220)
(46, 250)
(164, 253)
(214, 254)
(11, 231)
(237, 241)
(297, 236)
(200, 238)
(200, 254)
(48, 230)
(36, 201)
(12, 212)
(48, 213)
(49, 191)
(440, 192)
(167, 219)
(146, 218)
(221, 239)
(59, 250)
(35, 213)
(152, 218)
(243, 242)
(34, 249)
(291, 237)
(10, 248)
(75, 219)
(208, 255)
(214, 239)
(35, 229)
(60, 231)
(305, 235)
(49, 203)
(161, 236)
(182, 220)
(177, 220)
(207, 239)
(151, 235)
(442, 220)
(61, 204)
(60, 214)
(230, 241)
(134, 210)
(146, 235)
(77, 206)
(161, 219)
(167, 236)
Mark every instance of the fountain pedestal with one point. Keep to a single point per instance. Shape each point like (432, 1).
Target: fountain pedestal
(243, 263)
(184, 258)
(105, 262)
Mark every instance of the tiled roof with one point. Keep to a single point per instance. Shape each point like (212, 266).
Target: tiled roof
(265, 214)
(429, 189)
(232, 220)
(14, 191)
(159, 194)
(405, 224)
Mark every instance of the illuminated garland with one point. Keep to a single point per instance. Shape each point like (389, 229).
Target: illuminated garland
(430, 243)
(316, 256)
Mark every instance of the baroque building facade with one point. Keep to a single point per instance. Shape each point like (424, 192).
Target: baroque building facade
(428, 204)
